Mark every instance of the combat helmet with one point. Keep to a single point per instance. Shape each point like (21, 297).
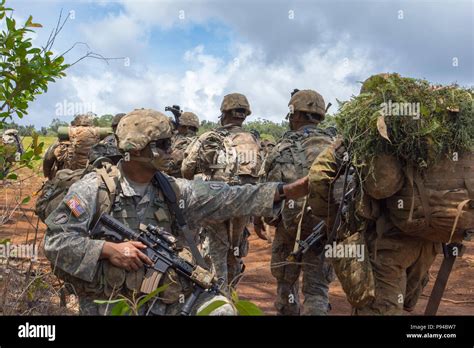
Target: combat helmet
(141, 126)
(235, 101)
(9, 136)
(116, 120)
(307, 100)
(189, 119)
(11, 132)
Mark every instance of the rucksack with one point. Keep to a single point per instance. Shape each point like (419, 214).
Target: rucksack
(294, 155)
(73, 154)
(438, 203)
(53, 191)
(228, 155)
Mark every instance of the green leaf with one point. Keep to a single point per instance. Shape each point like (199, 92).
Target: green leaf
(34, 51)
(247, 308)
(211, 307)
(10, 24)
(12, 176)
(234, 296)
(5, 241)
(151, 295)
(120, 309)
(29, 23)
(26, 200)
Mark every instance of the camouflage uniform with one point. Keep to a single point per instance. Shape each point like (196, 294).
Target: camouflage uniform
(207, 158)
(180, 143)
(288, 161)
(400, 262)
(76, 257)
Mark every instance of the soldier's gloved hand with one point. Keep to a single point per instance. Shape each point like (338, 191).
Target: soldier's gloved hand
(126, 255)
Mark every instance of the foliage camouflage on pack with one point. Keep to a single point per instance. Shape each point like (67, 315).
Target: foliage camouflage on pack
(445, 125)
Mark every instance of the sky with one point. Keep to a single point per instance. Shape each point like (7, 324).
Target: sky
(193, 52)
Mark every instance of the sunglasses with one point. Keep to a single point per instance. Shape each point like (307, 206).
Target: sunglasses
(240, 110)
(162, 144)
(311, 116)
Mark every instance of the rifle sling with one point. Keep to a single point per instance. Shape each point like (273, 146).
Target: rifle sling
(440, 285)
(170, 197)
(442, 278)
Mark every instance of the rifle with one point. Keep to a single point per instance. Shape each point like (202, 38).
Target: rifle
(162, 250)
(316, 235)
(176, 111)
(318, 232)
(344, 206)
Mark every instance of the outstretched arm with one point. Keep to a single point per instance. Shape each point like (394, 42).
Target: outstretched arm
(206, 202)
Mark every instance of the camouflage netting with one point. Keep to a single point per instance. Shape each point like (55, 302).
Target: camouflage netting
(445, 124)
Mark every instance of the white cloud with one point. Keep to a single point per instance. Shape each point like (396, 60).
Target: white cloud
(332, 72)
(270, 55)
(116, 34)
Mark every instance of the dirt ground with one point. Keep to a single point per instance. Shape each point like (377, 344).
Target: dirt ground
(258, 285)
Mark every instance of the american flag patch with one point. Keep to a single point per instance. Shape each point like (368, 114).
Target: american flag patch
(75, 205)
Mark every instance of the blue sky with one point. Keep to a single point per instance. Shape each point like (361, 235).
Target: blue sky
(192, 53)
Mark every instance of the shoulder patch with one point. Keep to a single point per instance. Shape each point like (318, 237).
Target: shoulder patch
(74, 204)
(216, 186)
(61, 219)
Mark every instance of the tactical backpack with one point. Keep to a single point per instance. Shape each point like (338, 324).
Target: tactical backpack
(178, 147)
(226, 156)
(54, 190)
(291, 159)
(437, 204)
(73, 153)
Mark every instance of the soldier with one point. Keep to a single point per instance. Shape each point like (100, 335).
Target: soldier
(400, 263)
(12, 148)
(288, 161)
(401, 239)
(185, 134)
(106, 149)
(71, 153)
(231, 155)
(100, 269)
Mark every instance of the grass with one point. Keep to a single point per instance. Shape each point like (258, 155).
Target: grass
(47, 140)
